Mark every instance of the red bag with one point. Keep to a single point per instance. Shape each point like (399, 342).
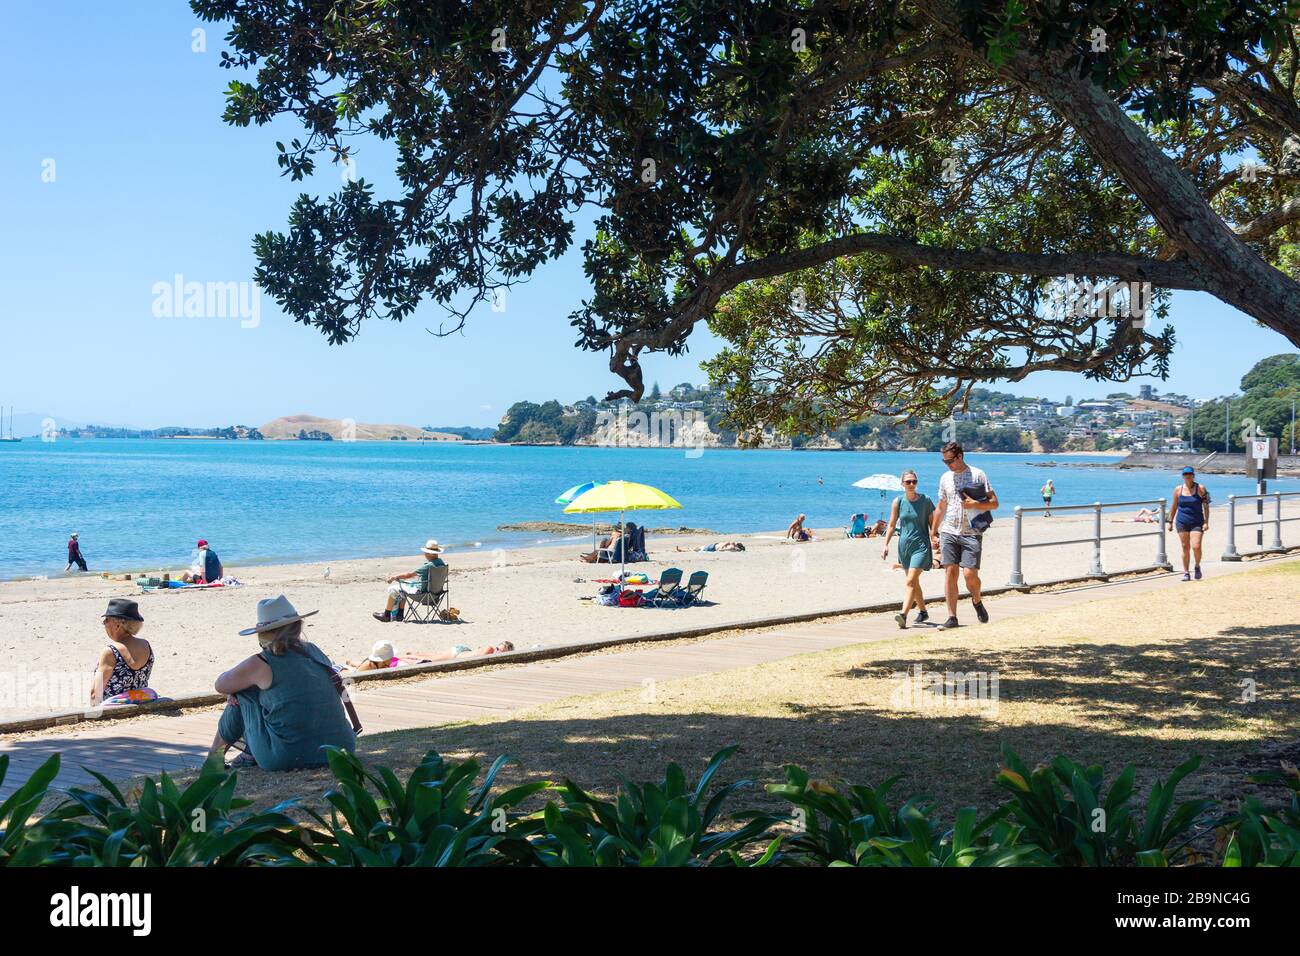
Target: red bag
(630, 599)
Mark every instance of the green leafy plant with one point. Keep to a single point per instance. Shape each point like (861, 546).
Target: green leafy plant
(441, 816)
(1063, 810)
(167, 826)
(1259, 836)
(849, 825)
(664, 824)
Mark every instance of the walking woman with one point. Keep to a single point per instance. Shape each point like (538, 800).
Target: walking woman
(910, 514)
(1190, 517)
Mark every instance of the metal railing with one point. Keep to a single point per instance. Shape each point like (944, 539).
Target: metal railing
(1231, 553)
(1095, 539)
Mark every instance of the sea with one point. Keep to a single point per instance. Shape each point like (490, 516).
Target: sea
(142, 504)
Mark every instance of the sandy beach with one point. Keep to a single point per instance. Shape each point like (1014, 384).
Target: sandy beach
(529, 596)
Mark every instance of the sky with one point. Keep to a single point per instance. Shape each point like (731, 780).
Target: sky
(119, 175)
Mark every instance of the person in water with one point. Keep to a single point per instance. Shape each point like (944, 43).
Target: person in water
(1190, 517)
(74, 554)
(911, 514)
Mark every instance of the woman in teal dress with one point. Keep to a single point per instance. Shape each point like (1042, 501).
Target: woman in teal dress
(910, 515)
(282, 702)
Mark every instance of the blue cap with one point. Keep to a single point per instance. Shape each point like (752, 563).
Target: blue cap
(1189, 470)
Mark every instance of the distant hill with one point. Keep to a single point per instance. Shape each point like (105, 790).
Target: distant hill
(464, 431)
(291, 426)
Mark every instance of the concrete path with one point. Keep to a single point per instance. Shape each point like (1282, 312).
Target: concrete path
(147, 745)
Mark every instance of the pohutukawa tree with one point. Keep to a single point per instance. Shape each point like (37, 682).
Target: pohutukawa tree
(873, 203)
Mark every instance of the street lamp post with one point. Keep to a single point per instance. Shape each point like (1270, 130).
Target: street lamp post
(1227, 426)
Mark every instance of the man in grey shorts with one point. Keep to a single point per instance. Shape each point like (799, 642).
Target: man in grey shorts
(964, 494)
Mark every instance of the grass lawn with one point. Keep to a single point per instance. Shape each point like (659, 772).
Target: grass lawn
(1149, 679)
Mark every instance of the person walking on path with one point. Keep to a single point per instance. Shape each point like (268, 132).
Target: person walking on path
(911, 514)
(965, 498)
(74, 554)
(1049, 492)
(1190, 517)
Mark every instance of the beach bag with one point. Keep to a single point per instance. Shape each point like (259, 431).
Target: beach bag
(630, 599)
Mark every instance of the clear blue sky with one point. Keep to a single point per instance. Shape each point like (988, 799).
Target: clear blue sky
(150, 183)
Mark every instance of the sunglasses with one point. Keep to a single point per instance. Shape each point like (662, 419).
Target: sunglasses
(909, 481)
(949, 461)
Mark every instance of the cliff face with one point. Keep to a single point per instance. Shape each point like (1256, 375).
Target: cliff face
(347, 430)
(654, 430)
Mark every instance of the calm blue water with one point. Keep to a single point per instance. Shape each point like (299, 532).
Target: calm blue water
(143, 504)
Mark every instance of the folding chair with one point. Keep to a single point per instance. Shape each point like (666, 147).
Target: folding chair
(422, 606)
(670, 586)
(857, 526)
(694, 588)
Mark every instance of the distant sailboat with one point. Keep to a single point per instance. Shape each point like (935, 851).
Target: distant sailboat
(11, 425)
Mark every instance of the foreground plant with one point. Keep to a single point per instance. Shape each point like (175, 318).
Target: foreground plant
(849, 825)
(665, 824)
(1064, 811)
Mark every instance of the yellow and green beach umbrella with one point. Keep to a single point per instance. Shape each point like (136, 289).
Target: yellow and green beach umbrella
(621, 496)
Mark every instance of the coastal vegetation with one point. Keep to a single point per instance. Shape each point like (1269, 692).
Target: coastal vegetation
(447, 814)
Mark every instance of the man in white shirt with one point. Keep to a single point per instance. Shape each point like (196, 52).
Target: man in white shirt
(965, 496)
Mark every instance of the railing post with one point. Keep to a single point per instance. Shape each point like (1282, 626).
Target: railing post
(1162, 559)
(1017, 579)
(1230, 553)
(1277, 521)
(1096, 570)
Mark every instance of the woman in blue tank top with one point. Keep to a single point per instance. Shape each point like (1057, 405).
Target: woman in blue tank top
(1190, 517)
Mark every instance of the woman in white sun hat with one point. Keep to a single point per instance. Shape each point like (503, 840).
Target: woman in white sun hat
(283, 702)
(412, 582)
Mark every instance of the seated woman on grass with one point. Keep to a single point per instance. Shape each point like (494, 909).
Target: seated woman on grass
(282, 702)
(382, 655)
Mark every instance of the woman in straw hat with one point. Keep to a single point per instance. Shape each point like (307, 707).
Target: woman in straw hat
(282, 702)
(412, 582)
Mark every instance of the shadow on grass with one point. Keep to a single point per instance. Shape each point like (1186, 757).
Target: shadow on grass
(1152, 705)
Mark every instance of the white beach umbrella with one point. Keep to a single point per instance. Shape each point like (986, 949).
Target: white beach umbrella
(880, 482)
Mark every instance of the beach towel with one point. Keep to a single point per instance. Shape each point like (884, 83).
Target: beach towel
(142, 695)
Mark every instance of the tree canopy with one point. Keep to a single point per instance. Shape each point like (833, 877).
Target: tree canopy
(873, 204)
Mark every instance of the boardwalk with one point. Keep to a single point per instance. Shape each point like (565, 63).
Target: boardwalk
(147, 745)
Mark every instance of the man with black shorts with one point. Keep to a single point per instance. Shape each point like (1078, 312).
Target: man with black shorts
(965, 497)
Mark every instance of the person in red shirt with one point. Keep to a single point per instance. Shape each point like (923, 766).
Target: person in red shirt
(74, 554)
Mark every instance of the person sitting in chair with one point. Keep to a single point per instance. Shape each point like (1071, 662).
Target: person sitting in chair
(412, 582)
(594, 557)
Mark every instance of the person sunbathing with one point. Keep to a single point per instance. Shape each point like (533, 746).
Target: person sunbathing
(592, 557)
(382, 655)
(127, 661)
(717, 546)
(1144, 516)
(877, 529)
(797, 531)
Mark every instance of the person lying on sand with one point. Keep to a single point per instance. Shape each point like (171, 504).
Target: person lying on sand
(797, 531)
(1145, 516)
(382, 655)
(717, 546)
